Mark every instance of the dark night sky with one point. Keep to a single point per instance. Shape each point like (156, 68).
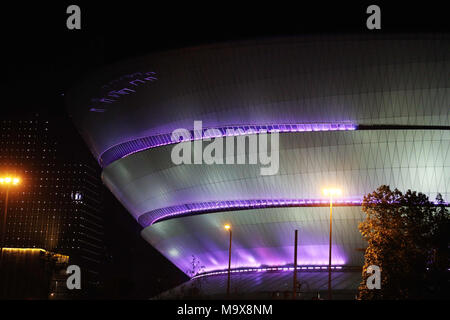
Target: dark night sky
(43, 59)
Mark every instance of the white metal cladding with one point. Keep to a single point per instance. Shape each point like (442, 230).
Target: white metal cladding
(356, 161)
(260, 237)
(366, 80)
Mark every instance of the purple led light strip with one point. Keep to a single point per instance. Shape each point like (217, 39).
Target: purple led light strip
(151, 217)
(301, 268)
(307, 268)
(154, 216)
(124, 149)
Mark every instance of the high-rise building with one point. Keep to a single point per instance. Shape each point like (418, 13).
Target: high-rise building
(58, 204)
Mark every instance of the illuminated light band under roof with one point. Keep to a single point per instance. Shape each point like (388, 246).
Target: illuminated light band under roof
(151, 217)
(124, 149)
(290, 268)
(302, 268)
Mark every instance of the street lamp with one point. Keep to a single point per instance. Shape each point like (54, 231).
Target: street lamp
(7, 182)
(330, 193)
(228, 228)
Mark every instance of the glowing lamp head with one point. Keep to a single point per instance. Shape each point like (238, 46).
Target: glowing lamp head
(332, 192)
(9, 180)
(227, 227)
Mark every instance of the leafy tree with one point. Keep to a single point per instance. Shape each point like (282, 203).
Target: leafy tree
(438, 269)
(408, 239)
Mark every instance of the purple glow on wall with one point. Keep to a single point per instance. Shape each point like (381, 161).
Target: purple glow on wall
(124, 149)
(215, 258)
(306, 263)
(310, 268)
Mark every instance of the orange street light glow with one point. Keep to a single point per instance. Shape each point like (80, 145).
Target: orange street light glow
(227, 227)
(9, 180)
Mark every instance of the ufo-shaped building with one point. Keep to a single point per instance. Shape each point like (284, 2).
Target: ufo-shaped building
(352, 112)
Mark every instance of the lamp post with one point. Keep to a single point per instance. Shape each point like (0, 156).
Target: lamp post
(330, 193)
(228, 227)
(7, 182)
(294, 289)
